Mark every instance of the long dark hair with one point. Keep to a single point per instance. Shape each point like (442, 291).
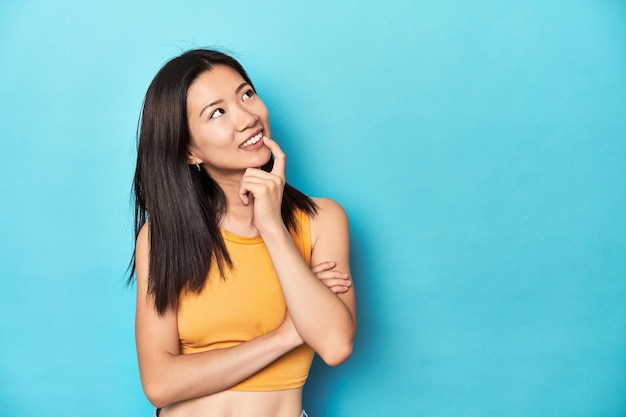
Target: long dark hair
(184, 205)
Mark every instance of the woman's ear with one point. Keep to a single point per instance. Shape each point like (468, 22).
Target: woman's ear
(193, 160)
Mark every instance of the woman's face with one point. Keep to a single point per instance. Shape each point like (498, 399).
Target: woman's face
(227, 121)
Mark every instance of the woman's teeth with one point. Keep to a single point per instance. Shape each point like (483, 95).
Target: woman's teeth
(254, 139)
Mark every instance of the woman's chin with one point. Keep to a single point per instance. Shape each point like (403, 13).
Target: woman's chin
(266, 162)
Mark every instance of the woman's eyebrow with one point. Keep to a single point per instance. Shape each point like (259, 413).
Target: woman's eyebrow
(242, 85)
(213, 103)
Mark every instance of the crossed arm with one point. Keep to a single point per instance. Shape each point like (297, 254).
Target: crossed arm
(320, 312)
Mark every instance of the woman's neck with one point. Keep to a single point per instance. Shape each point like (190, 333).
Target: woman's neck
(238, 217)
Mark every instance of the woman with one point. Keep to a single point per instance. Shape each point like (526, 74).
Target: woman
(229, 310)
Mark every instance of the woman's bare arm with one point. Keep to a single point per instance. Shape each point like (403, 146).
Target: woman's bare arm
(325, 320)
(168, 376)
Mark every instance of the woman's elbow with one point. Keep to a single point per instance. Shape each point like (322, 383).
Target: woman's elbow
(337, 355)
(156, 393)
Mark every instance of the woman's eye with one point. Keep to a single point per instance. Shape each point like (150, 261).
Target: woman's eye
(216, 113)
(249, 93)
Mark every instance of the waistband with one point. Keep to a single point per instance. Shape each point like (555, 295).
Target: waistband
(158, 411)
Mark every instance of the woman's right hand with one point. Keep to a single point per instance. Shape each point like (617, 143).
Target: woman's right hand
(264, 190)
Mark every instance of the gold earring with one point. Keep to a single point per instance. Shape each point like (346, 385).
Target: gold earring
(198, 166)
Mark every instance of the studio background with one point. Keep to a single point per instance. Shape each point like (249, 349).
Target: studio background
(478, 147)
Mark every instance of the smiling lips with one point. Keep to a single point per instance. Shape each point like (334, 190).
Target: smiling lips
(253, 140)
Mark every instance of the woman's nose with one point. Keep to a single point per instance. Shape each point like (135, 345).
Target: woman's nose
(245, 119)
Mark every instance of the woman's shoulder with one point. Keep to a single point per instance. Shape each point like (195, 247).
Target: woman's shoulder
(143, 237)
(142, 252)
(330, 217)
(328, 207)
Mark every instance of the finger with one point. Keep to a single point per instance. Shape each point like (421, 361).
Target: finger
(256, 188)
(323, 266)
(249, 184)
(279, 157)
(334, 282)
(244, 193)
(339, 289)
(258, 176)
(257, 173)
(244, 197)
(332, 275)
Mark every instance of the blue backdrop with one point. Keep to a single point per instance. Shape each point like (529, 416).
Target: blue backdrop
(478, 147)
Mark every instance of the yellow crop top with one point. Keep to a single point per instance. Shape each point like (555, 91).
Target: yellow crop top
(247, 303)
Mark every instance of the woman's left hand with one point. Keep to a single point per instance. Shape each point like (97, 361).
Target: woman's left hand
(338, 282)
(264, 190)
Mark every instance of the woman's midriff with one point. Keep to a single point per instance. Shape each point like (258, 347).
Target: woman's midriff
(285, 403)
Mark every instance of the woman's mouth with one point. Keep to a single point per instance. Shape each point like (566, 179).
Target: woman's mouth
(254, 139)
